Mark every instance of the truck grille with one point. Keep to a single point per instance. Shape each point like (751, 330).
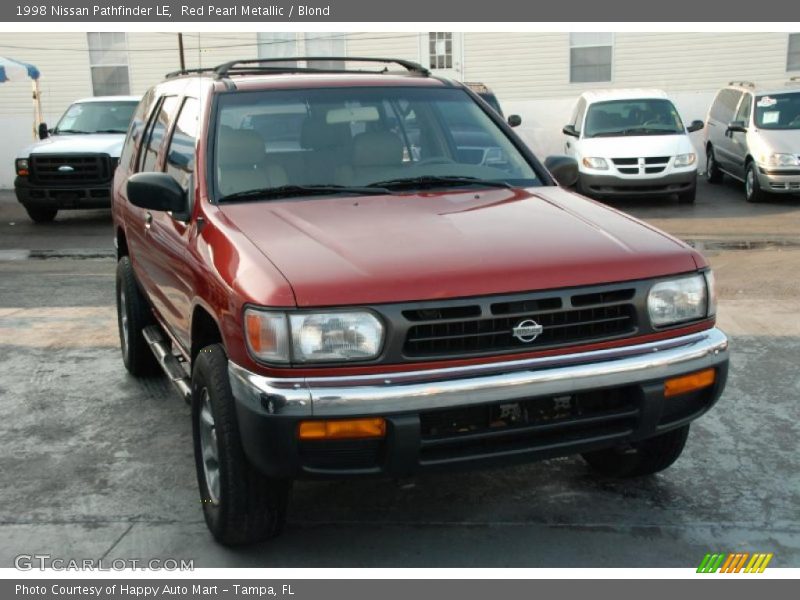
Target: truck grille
(70, 169)
(559, 320)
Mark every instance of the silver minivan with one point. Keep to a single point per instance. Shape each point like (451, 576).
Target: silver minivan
(753, 135)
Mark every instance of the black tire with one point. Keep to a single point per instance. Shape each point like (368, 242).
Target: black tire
(39, 214)
(713, 173)
(752, 188)
(640, 458)
(245, 507)
(133, 315)
(689, 196)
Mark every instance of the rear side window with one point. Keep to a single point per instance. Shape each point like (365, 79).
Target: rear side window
(725, 105)
(180, 155)
(158, 130)
(136, 130)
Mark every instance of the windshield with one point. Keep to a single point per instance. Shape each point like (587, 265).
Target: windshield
(398, 137)
(778, 111)
(632, 117)
(113, 116)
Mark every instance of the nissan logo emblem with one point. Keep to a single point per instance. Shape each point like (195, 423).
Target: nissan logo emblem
(527, 331)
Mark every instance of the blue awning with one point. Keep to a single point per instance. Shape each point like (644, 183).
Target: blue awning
(16, 70)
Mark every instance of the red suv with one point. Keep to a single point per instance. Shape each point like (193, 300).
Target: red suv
(343, 283)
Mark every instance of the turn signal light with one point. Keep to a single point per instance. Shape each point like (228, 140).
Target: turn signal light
(342, 429)
(689, 383)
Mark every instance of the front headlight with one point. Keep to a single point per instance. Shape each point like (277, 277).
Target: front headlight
(335, 336)
(22, 166)
(315, 337)
(685, 160)
(678, 300)
(778, 159)
(594, 162)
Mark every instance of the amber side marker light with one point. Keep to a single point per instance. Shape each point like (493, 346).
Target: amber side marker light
(689, 383)
(344, 429)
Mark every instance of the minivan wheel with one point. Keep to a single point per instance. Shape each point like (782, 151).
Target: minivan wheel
(640, 458)
(240, 505)
(752, 188)
(39, 214)
(133, 315)
(713, 174)
(689, 196)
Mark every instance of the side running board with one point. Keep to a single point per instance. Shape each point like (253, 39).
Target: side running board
(173, 368)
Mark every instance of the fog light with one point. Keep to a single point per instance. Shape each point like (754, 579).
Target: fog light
(689, 383)
(349, 429)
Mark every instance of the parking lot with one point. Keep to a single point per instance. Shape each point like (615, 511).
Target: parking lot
(96, 464)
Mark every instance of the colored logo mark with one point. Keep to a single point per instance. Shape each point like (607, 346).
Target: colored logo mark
(739, 562)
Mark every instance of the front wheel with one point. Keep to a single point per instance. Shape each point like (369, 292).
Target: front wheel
(240, 505)
(689, 196)
(713, 172)
(640, 458)
(41, 215)
(752, 187)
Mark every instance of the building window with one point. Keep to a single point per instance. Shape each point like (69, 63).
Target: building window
(440, 50)
(793, 55)
(108, 60)
(590, 56)
(290, 44)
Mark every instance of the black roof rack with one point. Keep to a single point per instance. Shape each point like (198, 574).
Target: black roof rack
(181, 72)
(748, 84)
(254, 66)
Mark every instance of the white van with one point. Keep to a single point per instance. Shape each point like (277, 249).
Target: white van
(631, 143)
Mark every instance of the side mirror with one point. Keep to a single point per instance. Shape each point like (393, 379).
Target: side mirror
(695, 126)
(570, 130)
(514, 120)
(564, 169)
(737, 126)
(43, 131)
(157, 191)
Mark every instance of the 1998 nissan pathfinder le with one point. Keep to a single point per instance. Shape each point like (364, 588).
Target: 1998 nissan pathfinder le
(342, 287)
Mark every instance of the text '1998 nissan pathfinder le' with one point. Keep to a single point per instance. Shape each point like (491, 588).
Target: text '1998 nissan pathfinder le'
(341, 286)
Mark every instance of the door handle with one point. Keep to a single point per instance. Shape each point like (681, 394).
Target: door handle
(148, 220)
(569, 145)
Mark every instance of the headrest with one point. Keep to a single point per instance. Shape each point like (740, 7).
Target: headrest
(318, 134)
(377, 149)
(240, 147)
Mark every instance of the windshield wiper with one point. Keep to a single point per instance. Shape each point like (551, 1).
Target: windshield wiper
(57, 131)
(289, 191)
(429, 181)
(111, 131)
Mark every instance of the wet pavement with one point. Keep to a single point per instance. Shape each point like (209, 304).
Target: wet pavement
(96, 464)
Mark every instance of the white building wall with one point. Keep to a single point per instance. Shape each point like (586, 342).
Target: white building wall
(529, 72)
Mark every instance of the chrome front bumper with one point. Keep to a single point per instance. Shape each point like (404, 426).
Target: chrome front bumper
(414, 391)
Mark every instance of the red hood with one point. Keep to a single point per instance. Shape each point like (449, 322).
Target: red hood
(376, 249)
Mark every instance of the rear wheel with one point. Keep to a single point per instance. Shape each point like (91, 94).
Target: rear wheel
(240, 505)
(713, 173)
(41, 215)
(640, 458)
(752, 187)
(133, 315)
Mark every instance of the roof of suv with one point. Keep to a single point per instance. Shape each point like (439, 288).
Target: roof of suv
(623, 94)
(255, 74)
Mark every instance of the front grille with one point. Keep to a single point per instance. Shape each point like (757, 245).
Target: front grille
(535, 423)
(633, 166)
(70, 169)
(571, 319)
